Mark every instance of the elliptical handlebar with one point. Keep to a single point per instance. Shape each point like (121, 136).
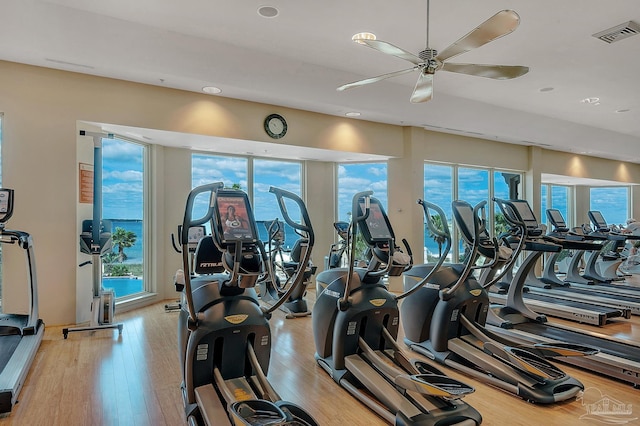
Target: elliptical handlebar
(343, 302)
(478, 228)
(426, 206)
(305, 227)
(184, 238)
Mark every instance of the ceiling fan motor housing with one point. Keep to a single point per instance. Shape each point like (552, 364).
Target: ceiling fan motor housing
(428, 54)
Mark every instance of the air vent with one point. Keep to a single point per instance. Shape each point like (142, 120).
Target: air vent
(618, 32)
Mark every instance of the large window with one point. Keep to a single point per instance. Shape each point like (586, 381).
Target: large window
(282, 174)
(444, 183)
(123, 201)
(439, 190)
(357, 177)
(555, 197)
(254, 176)
(612, 202)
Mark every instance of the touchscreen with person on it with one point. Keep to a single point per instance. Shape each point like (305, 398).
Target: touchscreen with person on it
(234, 219)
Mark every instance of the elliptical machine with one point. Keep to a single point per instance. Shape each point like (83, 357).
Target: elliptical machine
(355, 325)
(224, 336)
(270, 284)
(444, 320)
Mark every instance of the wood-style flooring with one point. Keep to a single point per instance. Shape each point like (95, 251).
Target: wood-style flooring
(101, 379)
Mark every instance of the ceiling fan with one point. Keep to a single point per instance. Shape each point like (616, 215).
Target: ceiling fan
(428, 61)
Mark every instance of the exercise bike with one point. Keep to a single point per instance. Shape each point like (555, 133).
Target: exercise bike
(280, 272)
(355, 325)
(224, 336)
(196, 233)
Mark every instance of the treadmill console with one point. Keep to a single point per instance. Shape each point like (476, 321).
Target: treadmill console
(6, 204)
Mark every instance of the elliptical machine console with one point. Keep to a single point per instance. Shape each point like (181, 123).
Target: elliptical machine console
(223, 333)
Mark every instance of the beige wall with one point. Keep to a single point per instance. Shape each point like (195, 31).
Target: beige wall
(43, 110)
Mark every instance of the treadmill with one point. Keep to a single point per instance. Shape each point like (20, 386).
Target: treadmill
(538, 296)
(20, 334)
(618, 358)
(577, 288)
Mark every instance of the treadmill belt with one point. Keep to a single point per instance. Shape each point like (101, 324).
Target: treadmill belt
(561, 335)
(8, 345)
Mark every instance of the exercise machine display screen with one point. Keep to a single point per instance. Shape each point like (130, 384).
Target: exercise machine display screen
(556, 217)
(526, 213)
(376, 226)
(5, 203)
(235, 219)
(341, 227)
(196, 233)
(598, 219)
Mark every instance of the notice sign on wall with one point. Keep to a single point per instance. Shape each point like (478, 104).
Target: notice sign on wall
(86, 183)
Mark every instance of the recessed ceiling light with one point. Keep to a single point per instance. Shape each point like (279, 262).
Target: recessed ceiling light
(591, 101)
(268, 11)
(546, 89)
(623, 110)
(353, 114)
(363, 36)
(211, 90)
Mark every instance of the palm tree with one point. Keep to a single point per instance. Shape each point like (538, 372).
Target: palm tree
(439, 239)
(123, 239)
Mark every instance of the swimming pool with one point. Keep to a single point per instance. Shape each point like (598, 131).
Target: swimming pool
(123, 286)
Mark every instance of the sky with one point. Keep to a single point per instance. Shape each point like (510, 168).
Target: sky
(123, 184)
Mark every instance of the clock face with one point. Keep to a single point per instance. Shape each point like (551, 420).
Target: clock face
(275, 126)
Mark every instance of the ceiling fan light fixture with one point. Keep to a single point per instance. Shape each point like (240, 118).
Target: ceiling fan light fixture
(363, 36)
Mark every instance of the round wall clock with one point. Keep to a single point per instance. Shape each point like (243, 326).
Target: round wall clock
(275, 125)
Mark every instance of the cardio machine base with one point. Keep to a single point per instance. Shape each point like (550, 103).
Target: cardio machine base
(102, 309)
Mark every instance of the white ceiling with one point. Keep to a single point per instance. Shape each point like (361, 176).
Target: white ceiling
(299, 57)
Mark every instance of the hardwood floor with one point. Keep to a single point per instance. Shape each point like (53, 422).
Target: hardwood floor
(101, 379)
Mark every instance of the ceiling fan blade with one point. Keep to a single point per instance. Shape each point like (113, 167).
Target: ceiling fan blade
(374, 79)
(498, 72)
(500, 24)
(423, 91)
(390, 49)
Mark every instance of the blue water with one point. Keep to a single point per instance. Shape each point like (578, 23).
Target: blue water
(123, 286)
(290, 236)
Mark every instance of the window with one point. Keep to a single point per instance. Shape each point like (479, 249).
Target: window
(507, 186)
(253, 176)
(232, 171)
(555, 197)
(123, 203)
(357, 177)
(439, 190)
(612, 202)
(444, 183)
(282, 174)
